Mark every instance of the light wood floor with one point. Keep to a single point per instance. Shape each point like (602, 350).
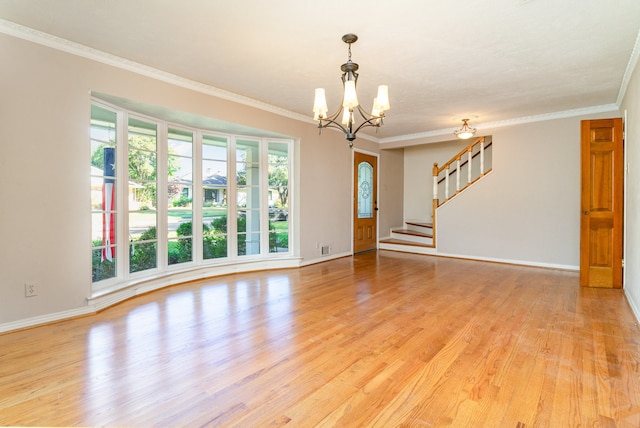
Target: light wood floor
(382, 339)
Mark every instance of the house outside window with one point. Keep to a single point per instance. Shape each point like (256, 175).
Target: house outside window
(188, 169)
(179, 196)
(215, 193)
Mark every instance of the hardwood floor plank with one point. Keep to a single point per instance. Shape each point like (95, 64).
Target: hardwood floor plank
(378, 339)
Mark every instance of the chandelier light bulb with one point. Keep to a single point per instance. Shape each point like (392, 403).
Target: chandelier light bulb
(382, 99)
(350, 95)
(320, 104)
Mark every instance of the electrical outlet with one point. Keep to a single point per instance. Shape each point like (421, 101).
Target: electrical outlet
(30, 289)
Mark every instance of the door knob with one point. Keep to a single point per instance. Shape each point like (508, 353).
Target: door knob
(586, 213)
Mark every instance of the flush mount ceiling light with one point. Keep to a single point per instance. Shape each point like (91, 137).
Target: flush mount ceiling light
(344, 118)
(466, 131)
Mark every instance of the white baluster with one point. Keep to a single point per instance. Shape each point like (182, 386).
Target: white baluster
(469, 160)
(435, 187)
(457, 175)
(446, 183)
(482, 157)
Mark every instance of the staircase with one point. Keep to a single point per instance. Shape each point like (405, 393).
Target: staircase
(415, 237)
(470, 164)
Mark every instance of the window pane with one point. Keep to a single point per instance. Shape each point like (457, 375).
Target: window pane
(179, 225)
(214, 147)
(247, 151)
(278, 238)
(103, 124)
(142, 256)
(248, 244)
(214, 223)
(143, 219)
(102, 268)
(241, 197)
(365, 190)
(247, 174)
(248, 224)
(142, 223)
(180, 251)
(142, 134)
(180, 168)
(248, 196)
(278, 197)
(180, 142)
(103, 193)
(214, 237)
(214, 195)
(180, 196)
(214, 172)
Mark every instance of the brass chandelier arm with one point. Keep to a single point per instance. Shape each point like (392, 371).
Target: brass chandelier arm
(369, 120)
(349, 132)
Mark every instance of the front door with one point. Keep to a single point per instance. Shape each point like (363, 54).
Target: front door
(601, 233)
(365, 202)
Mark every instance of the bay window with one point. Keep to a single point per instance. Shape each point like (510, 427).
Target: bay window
(152, 180)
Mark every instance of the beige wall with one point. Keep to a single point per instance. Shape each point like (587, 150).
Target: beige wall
(44, 171)
(525, 211)
(390, 200)
(631, 104)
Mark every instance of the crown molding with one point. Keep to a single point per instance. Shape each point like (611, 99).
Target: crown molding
(64, 45)
(508, 122)
(631, 66)
(58, 43)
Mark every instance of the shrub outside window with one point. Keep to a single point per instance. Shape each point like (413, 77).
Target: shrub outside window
(138, 161)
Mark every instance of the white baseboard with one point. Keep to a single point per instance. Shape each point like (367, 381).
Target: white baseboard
(632, 304)
(325, 259)
(512, 261)
(435, 252)
(45, 319)
(109, 297)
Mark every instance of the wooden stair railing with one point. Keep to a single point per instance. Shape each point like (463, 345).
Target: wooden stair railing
(478, 146)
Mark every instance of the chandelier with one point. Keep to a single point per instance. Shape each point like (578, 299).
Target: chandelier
(466, 131)
(345, 117)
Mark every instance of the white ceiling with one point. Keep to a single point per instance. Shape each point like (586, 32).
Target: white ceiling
(498, 60)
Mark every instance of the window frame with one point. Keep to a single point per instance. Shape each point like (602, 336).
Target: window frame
(124, 277)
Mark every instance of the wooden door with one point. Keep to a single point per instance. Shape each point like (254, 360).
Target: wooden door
(365, 202)
(601, 222)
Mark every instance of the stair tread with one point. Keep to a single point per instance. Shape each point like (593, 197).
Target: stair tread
(420, 224)
(402, 242)
(412, 233)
